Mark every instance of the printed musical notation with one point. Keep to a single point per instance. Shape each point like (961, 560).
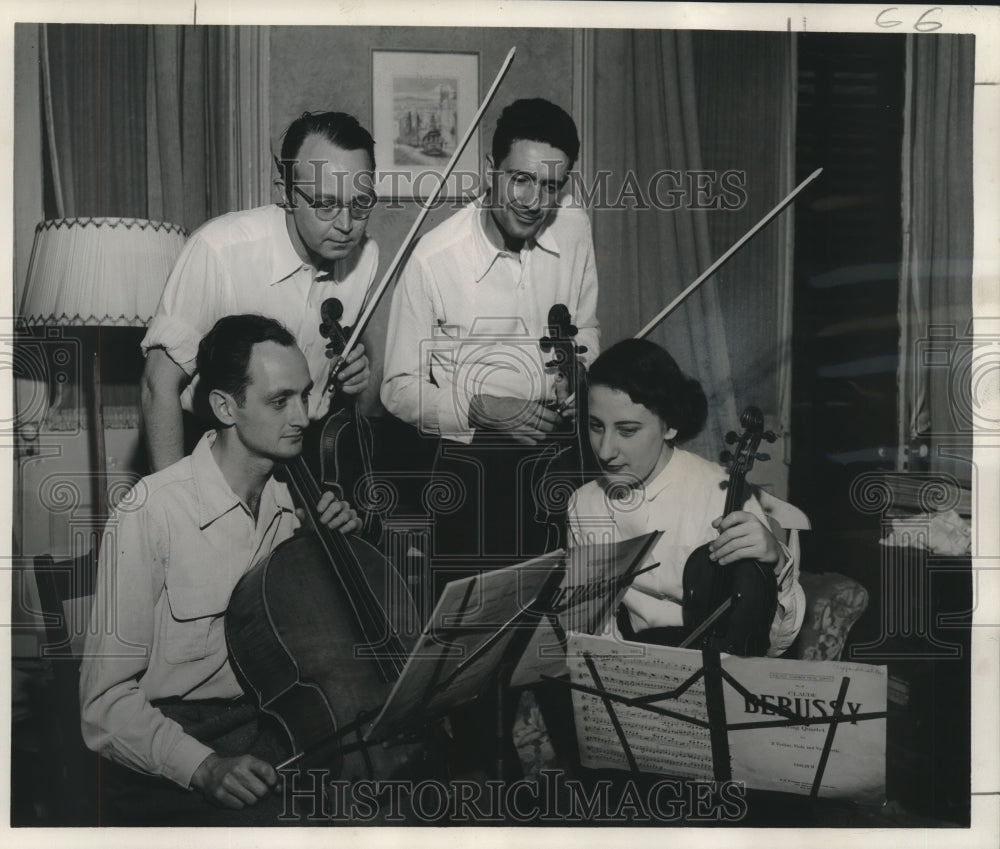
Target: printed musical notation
(658, 741)
(792, 725)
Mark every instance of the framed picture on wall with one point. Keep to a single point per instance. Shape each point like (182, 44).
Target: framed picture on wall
(422, 104)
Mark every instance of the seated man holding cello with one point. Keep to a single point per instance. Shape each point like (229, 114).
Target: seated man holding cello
(159, 697)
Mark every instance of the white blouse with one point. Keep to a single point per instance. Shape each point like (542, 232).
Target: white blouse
(682, 501)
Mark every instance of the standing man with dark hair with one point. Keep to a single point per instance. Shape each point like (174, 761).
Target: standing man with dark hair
(281, 261)
(158, 694)
(463, 360)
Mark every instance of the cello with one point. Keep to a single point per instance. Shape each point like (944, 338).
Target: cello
(290, 622)
(320, 629)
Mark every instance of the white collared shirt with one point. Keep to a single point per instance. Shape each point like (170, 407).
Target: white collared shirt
(469, 315)
(244, 262)
(174, 550)
(682, 501)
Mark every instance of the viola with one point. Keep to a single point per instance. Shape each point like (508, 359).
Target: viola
(730, 608)
(346, 442)
(569, 460)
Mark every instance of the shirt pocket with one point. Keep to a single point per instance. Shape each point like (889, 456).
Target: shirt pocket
(186, 627)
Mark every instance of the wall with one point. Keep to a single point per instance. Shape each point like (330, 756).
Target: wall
(316, 68)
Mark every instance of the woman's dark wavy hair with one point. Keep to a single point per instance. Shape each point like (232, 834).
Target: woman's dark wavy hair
(649, 376)
(224, 352)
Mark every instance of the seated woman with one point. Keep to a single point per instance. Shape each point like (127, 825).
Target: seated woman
(641, 407)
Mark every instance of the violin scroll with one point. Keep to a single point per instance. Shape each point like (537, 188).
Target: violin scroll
(559, 336)
(572, 463)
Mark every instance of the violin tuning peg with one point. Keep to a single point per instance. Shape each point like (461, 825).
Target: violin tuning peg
(732, 437)
(726, 456)
(760, 455)
(770, 436)
(581, 349)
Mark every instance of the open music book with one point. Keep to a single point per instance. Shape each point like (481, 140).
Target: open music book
(798, 726)
(485, 623)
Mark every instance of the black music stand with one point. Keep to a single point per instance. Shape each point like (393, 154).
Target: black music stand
(474, 639)
(477, 633)
(478, 630)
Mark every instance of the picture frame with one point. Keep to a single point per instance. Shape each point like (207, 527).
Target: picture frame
(422, 103)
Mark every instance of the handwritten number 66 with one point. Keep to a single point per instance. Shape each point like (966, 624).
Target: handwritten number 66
(922, 25)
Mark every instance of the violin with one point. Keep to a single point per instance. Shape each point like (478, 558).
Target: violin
(346, 442)
(730, 608)
(571, 462)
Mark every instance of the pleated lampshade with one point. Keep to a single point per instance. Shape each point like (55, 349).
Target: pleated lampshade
(99, 271)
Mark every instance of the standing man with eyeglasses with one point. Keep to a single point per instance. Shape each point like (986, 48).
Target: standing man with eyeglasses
(281, 261)
(464, 364)
(463, 360)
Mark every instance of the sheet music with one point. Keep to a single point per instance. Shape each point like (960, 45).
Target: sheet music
(596, 578)
(786, 757)
(468, 614)
(659, 743)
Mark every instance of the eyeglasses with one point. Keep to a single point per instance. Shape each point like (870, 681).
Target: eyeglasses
(359, 208)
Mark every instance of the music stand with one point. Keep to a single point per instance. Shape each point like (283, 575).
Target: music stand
(479, 629)
(715, 675)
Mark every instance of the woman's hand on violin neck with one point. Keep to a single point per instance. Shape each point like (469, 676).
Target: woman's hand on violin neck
(334, 515)
(527, 422)
(742, 536)
(353, 376)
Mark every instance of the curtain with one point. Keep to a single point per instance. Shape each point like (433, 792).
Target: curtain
(141, 121)
(936, 288)
(93, 80)
(668, 102)
(159, 123)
